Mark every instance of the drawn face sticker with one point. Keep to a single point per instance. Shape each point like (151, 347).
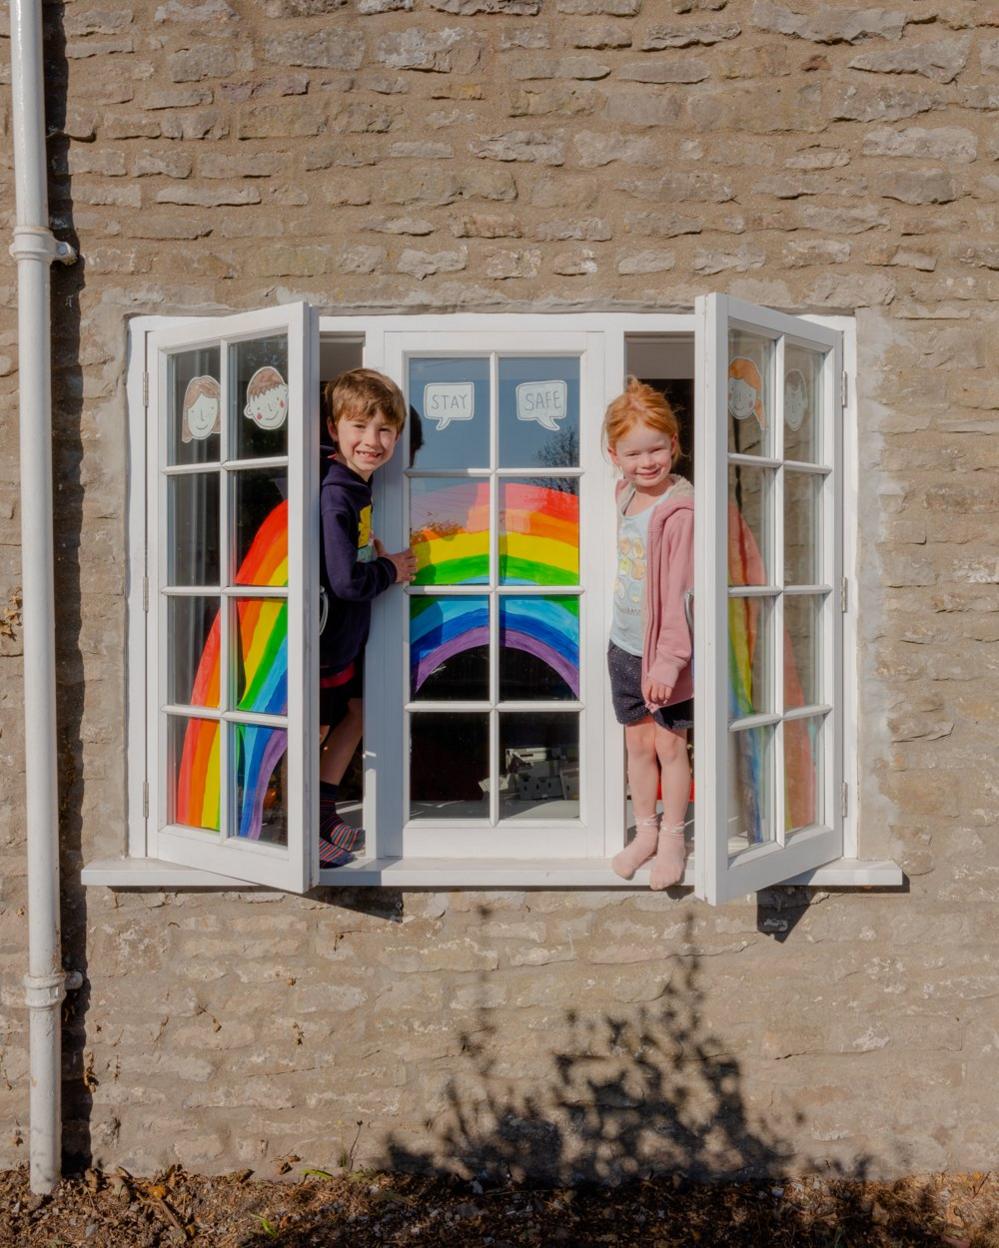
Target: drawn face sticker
(795, 399)
(745, 390)
(201, 410)
(267, 399)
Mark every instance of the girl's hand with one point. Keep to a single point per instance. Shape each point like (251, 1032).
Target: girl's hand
(655, 693)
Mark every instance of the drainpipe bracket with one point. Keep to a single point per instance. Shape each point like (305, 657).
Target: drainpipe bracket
(35, 242)
(44, 991)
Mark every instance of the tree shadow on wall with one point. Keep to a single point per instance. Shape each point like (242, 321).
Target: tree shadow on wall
(647, 1101)
(628, 1094)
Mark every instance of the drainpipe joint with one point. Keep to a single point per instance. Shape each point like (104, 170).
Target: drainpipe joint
(35, 242)
(44, 992)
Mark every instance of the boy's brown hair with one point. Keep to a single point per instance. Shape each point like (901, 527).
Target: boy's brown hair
(363, 393)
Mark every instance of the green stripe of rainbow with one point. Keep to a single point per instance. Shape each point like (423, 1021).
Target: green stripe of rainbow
(538, 538)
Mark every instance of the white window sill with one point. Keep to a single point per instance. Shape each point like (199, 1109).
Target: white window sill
(437, 873)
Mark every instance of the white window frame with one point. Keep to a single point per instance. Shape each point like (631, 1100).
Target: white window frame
(140, 868)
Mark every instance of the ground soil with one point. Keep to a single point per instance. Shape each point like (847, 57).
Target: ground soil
(306, 1209)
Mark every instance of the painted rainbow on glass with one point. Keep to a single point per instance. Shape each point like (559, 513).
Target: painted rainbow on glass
(547, 628)
(538, 537)
(538, 544)
(262, 626)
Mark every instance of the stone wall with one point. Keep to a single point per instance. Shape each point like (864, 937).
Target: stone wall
(493, 154)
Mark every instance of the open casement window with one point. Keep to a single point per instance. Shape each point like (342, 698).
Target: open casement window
(232, 673)
(492, 660)
(768, 665)
(491, 755)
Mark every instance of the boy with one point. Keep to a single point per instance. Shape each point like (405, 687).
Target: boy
(365, 413)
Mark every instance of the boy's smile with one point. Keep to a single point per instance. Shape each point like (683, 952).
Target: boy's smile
(364, 445)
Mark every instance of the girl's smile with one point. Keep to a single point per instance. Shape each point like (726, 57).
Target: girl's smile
(645, 456)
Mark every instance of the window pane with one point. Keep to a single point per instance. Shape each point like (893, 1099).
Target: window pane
(193, 528)
(449, 649)
(539, 531)
(804, 794)
(749, 667)
(258, 397)
(194, 637)
(449, 531)
(803, 404)
(539, 412)
(802, 650)
(449, 766)
(260, 526)
(539, 648)
(751, 790)
(259, 756)
(194, 397)
(260, 639)
(749, 529)
(193, 772)
(539, 761)
(802, 528)
(750, 393)
(449, 405)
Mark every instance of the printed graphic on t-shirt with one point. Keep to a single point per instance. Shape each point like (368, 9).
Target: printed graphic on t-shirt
(629, 585)
(365, 546)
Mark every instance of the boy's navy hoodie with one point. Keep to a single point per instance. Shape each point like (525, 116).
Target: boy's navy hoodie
(350, 573)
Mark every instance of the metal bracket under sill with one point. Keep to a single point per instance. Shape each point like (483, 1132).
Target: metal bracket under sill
(438, 873)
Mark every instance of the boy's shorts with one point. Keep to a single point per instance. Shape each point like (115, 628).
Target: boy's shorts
(337, 688)
(626, 693)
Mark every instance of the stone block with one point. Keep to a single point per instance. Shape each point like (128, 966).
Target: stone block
(486, 225)
(637, 262)
(911, 186)
(946, 143)
(206, 61)
(634, 107)
(587, 229)
(471, 8)
(852, 103)
(512, 264)
(157, 163)
(421, 264)
(209, 196)
(939, 59)
(677, 35)
(822, 23)
(534, 146)
(438, 51)
(334, 47)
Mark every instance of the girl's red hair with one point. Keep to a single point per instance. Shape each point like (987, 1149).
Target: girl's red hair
(640, 404)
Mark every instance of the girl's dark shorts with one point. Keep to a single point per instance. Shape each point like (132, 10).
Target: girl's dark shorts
(626, 693)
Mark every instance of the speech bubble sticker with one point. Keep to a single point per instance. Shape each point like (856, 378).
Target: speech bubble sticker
(445, 401)
(546, 402)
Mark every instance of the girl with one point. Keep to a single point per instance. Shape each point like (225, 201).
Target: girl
(650, 647)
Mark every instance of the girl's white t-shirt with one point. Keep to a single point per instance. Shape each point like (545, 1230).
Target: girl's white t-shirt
(628, 620)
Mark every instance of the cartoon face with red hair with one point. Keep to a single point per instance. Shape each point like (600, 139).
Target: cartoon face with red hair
(745, 390)
(267, 398)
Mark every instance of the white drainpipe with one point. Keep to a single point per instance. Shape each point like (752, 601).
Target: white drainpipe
(34, 249)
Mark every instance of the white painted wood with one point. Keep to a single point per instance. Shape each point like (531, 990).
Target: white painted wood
(468, 873)
(719, 875)
(289, 867)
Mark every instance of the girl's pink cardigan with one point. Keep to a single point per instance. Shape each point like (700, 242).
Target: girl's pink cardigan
(670, 564)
